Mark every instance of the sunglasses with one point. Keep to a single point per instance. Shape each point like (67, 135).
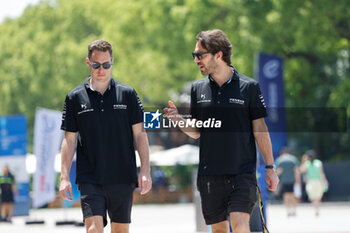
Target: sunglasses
(96, 65)
(199, 54)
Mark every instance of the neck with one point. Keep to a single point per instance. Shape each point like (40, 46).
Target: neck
(100, 87)
(222, 75)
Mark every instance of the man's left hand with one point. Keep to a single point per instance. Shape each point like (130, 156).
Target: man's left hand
(272, 179)
(145, 182)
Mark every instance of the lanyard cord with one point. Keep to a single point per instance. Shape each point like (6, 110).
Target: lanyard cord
(261, 208)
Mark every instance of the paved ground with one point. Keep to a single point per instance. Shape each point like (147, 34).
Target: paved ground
(180, 218)
(333, 218)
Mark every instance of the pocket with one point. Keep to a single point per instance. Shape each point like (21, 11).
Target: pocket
(84, 118)
(211, 184)
(203, 184)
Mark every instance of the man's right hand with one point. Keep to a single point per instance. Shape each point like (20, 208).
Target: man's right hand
(173, 115)
(172, 112)
(65, 187)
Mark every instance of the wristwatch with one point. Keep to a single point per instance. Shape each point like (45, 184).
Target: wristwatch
(273, 167)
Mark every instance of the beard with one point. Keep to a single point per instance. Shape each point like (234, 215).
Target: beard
(209, 68)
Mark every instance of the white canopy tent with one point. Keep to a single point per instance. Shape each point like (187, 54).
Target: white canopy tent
(31, 163)
(186, 154)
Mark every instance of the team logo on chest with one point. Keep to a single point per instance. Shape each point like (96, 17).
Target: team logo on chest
(84, 108)
(203, 99)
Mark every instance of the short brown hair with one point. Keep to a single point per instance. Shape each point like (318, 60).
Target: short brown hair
(100, 45)
(215, 41)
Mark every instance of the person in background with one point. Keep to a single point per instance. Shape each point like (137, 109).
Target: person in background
(160, 184)
(316, 181)
(304, 197)
(8, 189)
(289, 174)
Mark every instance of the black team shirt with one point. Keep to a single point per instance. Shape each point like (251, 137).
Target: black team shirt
(105, 145)
(231, 149)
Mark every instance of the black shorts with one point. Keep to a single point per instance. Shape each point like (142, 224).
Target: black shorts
(7, 197)
(116, 199)
(287, 188)
(223, 194)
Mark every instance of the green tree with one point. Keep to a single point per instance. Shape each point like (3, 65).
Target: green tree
(313, 38)
(43, 51)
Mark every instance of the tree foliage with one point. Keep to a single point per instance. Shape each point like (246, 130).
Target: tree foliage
(43, 51)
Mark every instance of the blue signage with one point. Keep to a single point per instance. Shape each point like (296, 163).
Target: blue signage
(13, 150)
(270, 78)
(13, 135)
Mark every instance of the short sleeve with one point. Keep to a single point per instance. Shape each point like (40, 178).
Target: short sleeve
(135, 109)
(257, 107)
(68, 116)
(193, 104)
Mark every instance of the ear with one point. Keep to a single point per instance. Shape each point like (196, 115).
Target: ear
(87, 61)
(219, 55)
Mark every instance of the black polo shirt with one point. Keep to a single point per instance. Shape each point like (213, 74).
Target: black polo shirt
(105, 145)
(230, 149)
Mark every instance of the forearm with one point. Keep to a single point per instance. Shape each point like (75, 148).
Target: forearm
(264, 144)
(193, 134)
(297, 175)
(189, 131)
(68, 149)
(141, 142)
(173, 115)
(263, 141)
(14, 188)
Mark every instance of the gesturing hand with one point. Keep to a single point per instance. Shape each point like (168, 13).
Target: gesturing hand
(172, 112)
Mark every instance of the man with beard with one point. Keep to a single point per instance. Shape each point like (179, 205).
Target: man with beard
(227, 168)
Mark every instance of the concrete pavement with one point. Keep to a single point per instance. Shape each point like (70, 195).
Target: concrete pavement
(180, 218)
(334, 218)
